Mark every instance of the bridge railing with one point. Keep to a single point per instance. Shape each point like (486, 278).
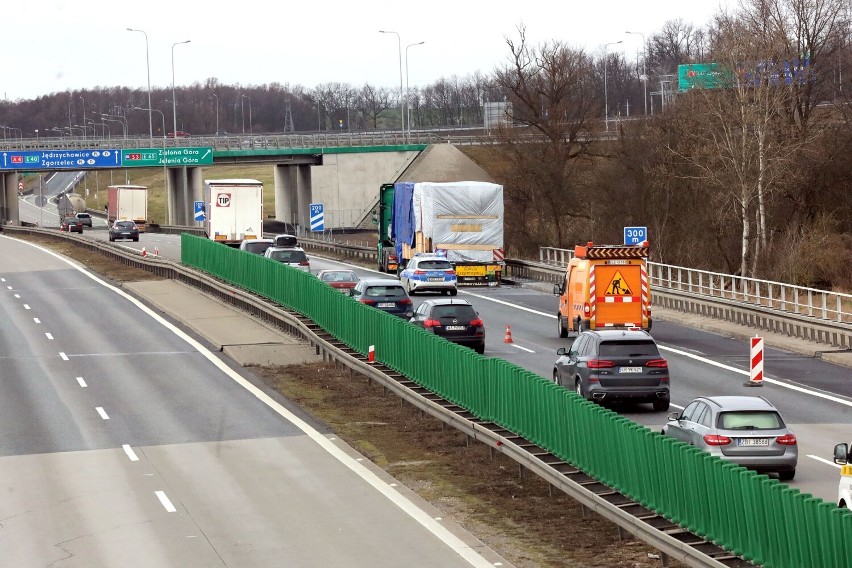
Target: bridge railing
(801, 300)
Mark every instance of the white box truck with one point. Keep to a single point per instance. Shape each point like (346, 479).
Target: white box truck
(233, 210)
(128, 202)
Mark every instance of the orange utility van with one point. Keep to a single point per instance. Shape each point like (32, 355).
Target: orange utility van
(605, 287)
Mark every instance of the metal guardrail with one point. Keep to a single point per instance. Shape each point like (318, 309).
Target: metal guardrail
(630, 517)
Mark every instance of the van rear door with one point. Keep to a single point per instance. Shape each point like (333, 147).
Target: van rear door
(618, 293)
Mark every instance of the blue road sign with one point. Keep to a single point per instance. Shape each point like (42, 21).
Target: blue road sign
(317, 217)
(199, 211)
(59, 159)
(635, 235)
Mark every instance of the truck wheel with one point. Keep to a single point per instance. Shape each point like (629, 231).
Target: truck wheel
(560, 326)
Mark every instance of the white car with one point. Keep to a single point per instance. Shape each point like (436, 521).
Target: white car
(293, 256)
(429, 272)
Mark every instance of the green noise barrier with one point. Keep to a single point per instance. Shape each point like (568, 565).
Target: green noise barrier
(751, 515)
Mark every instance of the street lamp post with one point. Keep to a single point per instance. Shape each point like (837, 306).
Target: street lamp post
(217, 112)
(644, 73)
(84, 114)
(606, 100)
(148, 66)
(174, 100)
(407, 104)
(244, 122)
(165, 173)
(401, 108)
(115, 118)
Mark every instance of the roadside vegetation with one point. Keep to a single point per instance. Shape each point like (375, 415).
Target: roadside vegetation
(746, 170)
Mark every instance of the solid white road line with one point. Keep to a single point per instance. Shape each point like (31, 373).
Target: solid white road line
(161, 495)
(63, 355)
(130, 453)
(49, 336)
(81, 381)
(102, 412)
(403, 503)
(515, 345)
(823, 460)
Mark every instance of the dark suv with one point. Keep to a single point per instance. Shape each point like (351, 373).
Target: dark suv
(615, 365)
(454, 320)
(384, 294)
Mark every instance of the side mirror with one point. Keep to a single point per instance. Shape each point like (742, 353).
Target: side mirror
(674, 416)
(556, 290)
(561, 351)
(841, 454)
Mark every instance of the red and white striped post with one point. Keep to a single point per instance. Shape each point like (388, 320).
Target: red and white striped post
(756, 359)
(371, 354)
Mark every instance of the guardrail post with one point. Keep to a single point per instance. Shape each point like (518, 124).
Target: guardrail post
(824, 306)
(839, 309)
(810, 303)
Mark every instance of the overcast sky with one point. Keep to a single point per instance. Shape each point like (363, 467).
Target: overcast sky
(54, 46)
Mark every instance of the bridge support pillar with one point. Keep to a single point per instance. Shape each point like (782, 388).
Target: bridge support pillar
(293, 194)
(9, 211)
(184, 185)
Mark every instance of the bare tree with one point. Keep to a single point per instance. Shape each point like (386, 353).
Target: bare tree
(371, 102)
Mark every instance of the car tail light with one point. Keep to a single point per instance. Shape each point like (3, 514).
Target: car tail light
(419, 272)
(450, 271)
(404, 301)
(304, 263)
(599, 364)
(786, 440)
(477, 323)
(659, 363)
(587, 309)
(432, 323)
(716, 440)
(367, 301)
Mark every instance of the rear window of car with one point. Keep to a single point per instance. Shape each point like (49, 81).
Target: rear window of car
(83, 216)
(434, 265)
(460, 312)
(339, 277)
(288, 255)
(125, 224)
(257, 248)
(394, 291)
(629, 349)
(750, 420)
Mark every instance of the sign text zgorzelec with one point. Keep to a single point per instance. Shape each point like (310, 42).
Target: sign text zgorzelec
(147, 157)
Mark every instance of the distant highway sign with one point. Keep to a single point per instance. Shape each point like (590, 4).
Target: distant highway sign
(59, 159)
(147, 157)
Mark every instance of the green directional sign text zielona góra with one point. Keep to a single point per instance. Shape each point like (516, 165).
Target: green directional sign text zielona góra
(147, 157)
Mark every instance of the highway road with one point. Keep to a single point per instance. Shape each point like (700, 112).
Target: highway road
(814, 397)
(127, 443)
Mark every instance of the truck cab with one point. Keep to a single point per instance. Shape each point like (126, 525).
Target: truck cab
(844, 489)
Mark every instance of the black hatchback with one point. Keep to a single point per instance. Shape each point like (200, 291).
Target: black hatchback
(454, 320)
(615, 365)
(124, 230)
(384, 294)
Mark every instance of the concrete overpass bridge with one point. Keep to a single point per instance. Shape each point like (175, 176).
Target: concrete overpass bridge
(341, 170)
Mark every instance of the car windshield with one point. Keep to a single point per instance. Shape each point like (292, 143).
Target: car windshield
(339, 277)
(459, 312)
(643, 348)
(434, 265)
(750, 420)
(394, 291)
(125, 225)
(288, 255)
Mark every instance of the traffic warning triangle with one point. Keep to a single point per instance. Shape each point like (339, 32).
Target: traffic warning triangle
(617, 286)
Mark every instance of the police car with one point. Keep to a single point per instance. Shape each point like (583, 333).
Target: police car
(429, 272)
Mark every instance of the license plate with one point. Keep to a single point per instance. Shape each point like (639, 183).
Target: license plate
(436, 280)
(630, 369)
(455, 328)
(753, 442)
(386, 304)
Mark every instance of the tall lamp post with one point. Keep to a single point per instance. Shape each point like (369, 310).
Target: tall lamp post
(115, 118)
(401, 108)
(165, 174)
(84, 115)
(407, 104)
(606, 100)
(644, 73)
(148, 66)
(244, 122)
(174, 100)
(217, 112)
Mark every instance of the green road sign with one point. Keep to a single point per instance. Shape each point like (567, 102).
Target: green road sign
(703, 76)
(147, 157)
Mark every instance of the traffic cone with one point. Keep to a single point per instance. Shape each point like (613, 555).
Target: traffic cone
(508, 338)
(156, 251)
(144, 252)
(371, 354)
